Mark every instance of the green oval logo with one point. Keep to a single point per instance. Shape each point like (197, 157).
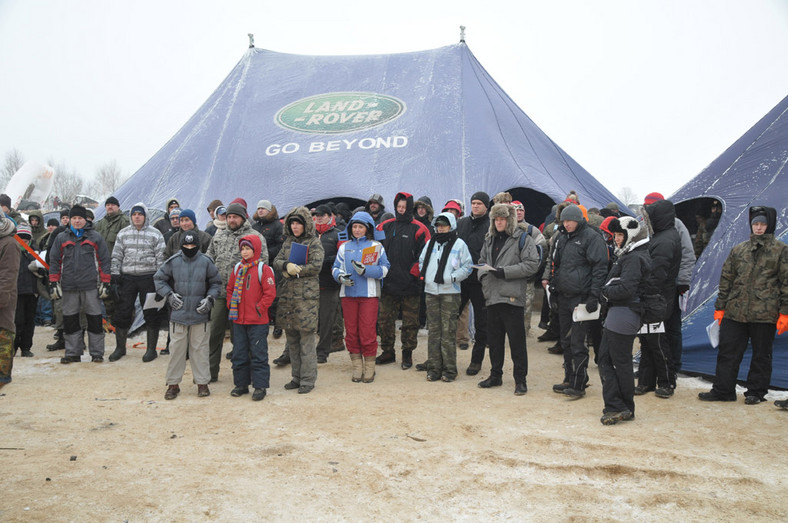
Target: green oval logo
(336, 113)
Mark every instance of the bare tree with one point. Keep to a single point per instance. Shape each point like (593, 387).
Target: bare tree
(108, 177)
(13, 161)
(629, 197)
(67, 184)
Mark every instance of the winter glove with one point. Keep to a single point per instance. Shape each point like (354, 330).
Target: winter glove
(359, 267)
(176, 301)
(55, 290)
(681, 289)
(592, 304)
(782, 323)
(293, 269)
(498, 273)
(103, 290)
(718, 316)
(205, 305)
(346, 280)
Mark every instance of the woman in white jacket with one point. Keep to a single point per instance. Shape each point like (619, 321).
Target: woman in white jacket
(444, 262)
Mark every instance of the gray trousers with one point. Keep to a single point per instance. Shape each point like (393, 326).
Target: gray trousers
(530, 292)
(72, 330)
(303, 356)
(194, 339)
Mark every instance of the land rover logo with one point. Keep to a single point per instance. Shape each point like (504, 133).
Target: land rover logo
(335, 113)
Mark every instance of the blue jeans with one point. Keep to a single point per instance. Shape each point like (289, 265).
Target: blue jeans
(250, 356)
(44, 312)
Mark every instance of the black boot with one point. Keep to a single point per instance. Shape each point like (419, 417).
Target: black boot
(120, 344)
(407, 359)
(60, 341)
(153, 339)
(284, 359)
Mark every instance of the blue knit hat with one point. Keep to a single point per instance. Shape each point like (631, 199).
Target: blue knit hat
(188, 213)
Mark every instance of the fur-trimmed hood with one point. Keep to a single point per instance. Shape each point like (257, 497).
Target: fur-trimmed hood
(425, 202)
(503, 210)
(304, 214)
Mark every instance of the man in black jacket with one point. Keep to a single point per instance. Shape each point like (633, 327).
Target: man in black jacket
(656, 370)
(405, 238)
(579, 267)
(325, 225)
(472, 229)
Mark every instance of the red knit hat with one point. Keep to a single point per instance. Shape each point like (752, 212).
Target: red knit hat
(652, 197)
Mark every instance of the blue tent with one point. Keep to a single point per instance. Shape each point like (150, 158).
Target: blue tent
(297, 130)
(752, 171)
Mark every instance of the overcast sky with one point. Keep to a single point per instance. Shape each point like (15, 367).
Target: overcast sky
(642, 94)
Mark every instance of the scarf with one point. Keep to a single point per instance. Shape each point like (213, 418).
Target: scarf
(238, 288)
(446, 240)
(323, 227)
(77, 232)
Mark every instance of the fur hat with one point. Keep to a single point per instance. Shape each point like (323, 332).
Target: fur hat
(502, 197)
(503, 210)
(572, 213)
(632, 228)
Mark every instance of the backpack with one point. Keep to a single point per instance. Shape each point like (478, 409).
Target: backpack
(652, 308)
(260, 266)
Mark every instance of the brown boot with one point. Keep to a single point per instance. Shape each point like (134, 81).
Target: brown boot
(358, 367)
(203, 391)
(369, 369)
(172, 392)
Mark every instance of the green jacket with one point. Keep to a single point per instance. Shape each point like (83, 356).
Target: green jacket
(754, 281)
(109, 227)
(299, 296)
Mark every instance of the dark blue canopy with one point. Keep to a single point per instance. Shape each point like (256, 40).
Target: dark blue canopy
(297, 130)
(752, 171)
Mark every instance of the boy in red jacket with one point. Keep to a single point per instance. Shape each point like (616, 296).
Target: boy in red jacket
(250, 292)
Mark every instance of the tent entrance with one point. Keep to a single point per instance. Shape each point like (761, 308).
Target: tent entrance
(701, 216)
(537, 204)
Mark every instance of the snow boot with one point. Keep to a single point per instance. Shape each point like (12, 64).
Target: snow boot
(358, 367)
(369, 369)
(120, 344)
(153, 339)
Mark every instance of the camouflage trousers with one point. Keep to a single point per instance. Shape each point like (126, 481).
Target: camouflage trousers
(6, 355)
(390, 307)
(530, 292)
(442, 312)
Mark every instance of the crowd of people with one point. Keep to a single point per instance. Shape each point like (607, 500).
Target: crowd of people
(330, 279)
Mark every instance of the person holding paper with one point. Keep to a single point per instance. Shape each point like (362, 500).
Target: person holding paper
(626, 283)
(360, 264)
(513, 260)
(300, 260)
(656, 372)
(137, 255)
(752, 303)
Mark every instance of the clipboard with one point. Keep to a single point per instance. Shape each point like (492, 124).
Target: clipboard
(581, 313)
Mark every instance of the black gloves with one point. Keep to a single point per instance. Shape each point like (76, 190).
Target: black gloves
(592, 304)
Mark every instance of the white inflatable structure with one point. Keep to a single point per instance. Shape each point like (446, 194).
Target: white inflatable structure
(31, 183)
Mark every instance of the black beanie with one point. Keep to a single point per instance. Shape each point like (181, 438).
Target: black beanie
(112, 200)
(53, 222)
(78, 210)
(482, 197)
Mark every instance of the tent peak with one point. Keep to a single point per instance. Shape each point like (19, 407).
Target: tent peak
(251, 40)
(462, 34)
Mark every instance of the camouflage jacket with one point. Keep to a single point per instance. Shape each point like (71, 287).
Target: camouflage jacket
(109, 227)
(299, 297)
(754, 281)
(225, 253)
